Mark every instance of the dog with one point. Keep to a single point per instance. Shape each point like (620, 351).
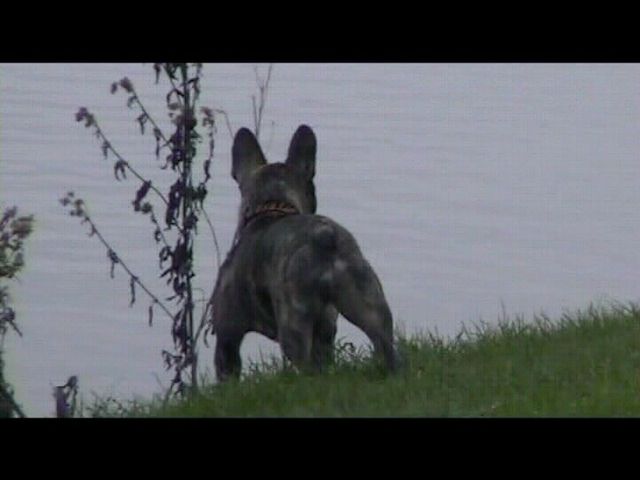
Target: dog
(290, 272)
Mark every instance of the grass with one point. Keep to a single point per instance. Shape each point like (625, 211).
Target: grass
(587, 363)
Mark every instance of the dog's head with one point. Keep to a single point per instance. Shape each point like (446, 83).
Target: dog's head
(276, 187)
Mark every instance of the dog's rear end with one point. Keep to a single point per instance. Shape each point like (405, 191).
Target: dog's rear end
(323, 273)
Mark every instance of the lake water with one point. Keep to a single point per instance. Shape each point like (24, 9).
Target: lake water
(469, 187)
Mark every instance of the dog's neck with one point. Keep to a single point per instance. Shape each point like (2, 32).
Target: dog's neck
(268, 209)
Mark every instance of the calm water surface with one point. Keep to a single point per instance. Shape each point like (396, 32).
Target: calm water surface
(469, 187)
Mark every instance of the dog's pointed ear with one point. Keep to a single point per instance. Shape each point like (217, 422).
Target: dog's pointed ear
(302, 152)
(246, 155)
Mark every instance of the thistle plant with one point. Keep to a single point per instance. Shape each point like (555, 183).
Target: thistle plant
(175, 226)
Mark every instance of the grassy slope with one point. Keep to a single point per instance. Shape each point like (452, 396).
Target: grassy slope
(585, 364)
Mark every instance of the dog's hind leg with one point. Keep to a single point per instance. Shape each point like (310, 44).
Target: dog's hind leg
(358, 295)
(324, 335)
(295, 332)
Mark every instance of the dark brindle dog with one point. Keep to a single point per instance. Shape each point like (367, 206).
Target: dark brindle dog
(290, 272)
